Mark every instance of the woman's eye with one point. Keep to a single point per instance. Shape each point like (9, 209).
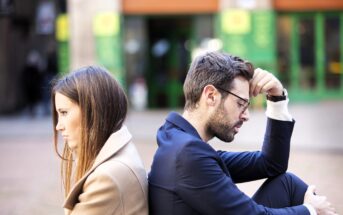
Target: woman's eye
(63, 113)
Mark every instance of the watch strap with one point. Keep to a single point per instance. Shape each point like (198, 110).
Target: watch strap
(278, 98)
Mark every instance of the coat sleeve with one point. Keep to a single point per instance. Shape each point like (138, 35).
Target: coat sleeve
(205, 187)
(271, 161)
(101, 195)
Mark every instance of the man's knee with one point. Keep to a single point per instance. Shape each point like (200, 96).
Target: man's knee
(290, 178)
(284, 190)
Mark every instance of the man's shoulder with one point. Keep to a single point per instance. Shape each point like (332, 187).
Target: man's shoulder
(177, 147)
(179, 153)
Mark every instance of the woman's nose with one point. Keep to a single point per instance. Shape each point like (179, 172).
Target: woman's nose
(59, 126)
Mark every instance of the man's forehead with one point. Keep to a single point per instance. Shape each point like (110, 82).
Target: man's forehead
(240, 83)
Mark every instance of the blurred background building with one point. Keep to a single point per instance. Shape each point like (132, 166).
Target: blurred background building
(148, 44)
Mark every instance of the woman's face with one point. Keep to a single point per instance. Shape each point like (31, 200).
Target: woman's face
(69, 120)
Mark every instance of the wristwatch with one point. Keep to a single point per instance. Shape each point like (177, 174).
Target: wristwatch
(278, 98)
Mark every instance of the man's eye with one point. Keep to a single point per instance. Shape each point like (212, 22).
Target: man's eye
(240, 104)
(63, 113)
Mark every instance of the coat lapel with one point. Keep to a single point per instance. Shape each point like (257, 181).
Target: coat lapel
(114, 143)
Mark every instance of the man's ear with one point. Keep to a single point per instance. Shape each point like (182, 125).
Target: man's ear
(211, 95)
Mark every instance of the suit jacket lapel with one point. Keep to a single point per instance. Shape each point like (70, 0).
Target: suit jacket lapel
(114, 143)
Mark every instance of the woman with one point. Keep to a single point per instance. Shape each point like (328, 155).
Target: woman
(101, 170)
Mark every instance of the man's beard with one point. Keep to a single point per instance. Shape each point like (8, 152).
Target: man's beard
(219, 127)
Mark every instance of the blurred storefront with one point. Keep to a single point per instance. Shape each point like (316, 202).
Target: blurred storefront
(148, 44)
(159, 38)
(310, 47)
(299, 42)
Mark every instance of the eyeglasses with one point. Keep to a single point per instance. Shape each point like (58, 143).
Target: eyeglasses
(244, 106)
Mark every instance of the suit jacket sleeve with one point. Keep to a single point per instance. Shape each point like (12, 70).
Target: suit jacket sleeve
(271, 161)
(101, 195)
(204, 186)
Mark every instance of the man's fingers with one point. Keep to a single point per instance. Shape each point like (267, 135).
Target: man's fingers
(258, 75)
(267, 87)
(311, 189)
(264, 82)
(263, 85)
(320, 203)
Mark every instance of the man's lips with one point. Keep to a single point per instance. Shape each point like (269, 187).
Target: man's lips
(238, 126)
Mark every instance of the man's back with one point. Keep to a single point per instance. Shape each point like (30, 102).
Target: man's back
(163, 179)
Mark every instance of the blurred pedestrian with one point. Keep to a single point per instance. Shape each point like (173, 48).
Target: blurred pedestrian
(189, 177)
(139, 94)
(32, 81)
(48, 75)
(102, 171)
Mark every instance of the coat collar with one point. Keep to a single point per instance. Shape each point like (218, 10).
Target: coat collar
(182, 123)
(114, 143)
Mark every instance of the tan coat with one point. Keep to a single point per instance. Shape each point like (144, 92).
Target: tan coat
(116, 183)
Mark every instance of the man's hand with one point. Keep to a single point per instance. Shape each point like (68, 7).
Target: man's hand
(320, 203)
(265, 82)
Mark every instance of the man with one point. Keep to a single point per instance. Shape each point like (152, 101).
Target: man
(189, 177)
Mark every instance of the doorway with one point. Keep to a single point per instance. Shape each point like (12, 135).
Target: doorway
(169, 57)
(159, 49)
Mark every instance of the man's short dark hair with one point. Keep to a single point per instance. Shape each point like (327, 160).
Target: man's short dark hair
(216, 68)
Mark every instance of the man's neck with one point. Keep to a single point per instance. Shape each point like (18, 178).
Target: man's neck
(198, 121)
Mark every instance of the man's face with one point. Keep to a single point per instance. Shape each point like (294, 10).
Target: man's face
(230, 113)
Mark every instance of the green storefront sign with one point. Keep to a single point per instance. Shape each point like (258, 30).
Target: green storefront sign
(62, 37)
(250, 35)
(106, 29)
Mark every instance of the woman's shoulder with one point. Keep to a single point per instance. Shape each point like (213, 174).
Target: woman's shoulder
(124, 166)
(126, 177)
(126, 161)
(119, 183)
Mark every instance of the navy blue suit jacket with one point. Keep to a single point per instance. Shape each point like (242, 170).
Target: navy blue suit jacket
(189, 177)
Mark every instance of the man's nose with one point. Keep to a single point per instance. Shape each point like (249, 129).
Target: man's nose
(245, 115)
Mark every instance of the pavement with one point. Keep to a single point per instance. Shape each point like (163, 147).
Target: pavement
(29, 166)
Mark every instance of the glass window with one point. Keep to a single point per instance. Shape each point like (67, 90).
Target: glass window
(283, 48)
(307, 74)
(332, 53)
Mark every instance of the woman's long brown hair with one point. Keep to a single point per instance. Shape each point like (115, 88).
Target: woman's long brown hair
(103, 105)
